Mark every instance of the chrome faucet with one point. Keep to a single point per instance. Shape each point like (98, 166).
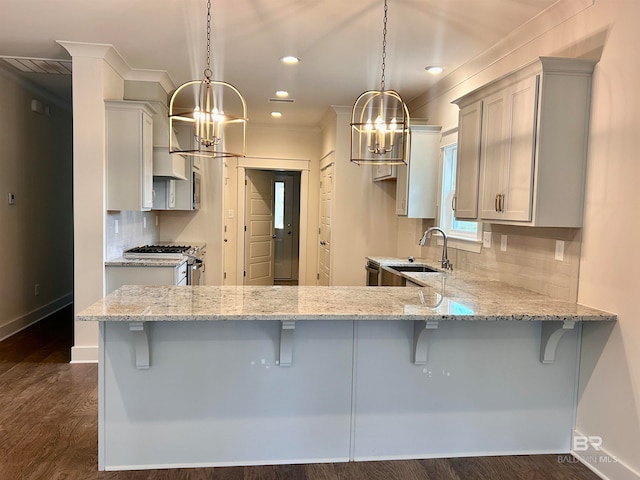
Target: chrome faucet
(444, 261)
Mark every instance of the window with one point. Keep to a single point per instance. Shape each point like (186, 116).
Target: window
(459, 229)
(278, 214)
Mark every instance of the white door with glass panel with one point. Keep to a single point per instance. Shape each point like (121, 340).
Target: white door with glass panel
(286, 226)
(259, 234)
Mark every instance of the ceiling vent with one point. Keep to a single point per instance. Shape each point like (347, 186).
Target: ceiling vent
(39, 65)
(281, 100)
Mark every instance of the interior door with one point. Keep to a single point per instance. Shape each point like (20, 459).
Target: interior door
(286, 199)
(259, 251)
(324, 252)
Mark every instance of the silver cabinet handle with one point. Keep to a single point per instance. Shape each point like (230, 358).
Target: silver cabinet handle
(453, 203)
(495, 203)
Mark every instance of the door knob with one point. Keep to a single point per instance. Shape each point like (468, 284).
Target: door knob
(273, 236)
(289, 232)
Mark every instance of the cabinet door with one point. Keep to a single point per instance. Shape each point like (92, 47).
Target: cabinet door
(468, 163)
(147, 161)
(129, 149)
(417, 183)
(402, 189)
(493, 158)
(518, 176)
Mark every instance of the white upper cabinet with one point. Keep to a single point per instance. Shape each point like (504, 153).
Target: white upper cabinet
(468, 165)
(533, 142)
(417, 182)
(129, 152)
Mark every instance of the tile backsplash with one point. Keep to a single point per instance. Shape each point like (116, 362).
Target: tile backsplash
(134, 228)
(528, 262)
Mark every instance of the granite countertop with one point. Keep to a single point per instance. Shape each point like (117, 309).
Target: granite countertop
(462, 300)
(155, 262)
(145, 262)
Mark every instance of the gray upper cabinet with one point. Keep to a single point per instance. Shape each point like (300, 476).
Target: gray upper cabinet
(129, 152)
(417, 182)
(529, 165)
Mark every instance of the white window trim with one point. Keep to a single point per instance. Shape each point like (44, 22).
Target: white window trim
(453, 240)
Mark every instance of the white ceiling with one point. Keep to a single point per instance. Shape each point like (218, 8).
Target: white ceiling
(338, 41)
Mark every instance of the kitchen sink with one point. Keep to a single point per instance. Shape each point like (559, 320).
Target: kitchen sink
(413, 268)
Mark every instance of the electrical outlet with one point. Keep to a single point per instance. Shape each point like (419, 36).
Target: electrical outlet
(503, 243)
(559, 250)
(116, 225)
(11, 198)
(144, 222)
(156, 220)
(486, 239)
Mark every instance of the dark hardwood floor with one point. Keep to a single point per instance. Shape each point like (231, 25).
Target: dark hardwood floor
(48, 430)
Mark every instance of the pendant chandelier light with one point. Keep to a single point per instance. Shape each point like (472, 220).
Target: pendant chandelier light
(213, 112)
(380, 122)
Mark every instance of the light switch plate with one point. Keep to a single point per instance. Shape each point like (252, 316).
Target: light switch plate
(559, 250)
(486, 239)
(11, 199)
(503, 243)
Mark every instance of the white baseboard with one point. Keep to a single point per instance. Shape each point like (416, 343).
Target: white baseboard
(28, 319)
(84, 354)
(604, 464)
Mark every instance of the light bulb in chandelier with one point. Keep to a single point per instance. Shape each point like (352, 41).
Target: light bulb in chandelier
(381, 141)
(208, 126)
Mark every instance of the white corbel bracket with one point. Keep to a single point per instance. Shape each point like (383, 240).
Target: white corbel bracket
(421, 330)
(286, 343)
(140, 332)
(550, 335)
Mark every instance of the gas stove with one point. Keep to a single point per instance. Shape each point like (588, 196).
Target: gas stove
(159, 251)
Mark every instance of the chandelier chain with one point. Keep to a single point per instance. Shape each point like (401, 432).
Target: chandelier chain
(207, 71)
(384, 45)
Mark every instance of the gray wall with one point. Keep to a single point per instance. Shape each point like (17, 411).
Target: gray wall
(36, 239)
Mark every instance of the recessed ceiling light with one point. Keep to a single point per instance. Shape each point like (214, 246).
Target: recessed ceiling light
(434, 69)
(282, 94)
(276, 114)
(290, 60)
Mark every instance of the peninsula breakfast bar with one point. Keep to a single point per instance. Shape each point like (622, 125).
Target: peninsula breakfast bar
(233, 375)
